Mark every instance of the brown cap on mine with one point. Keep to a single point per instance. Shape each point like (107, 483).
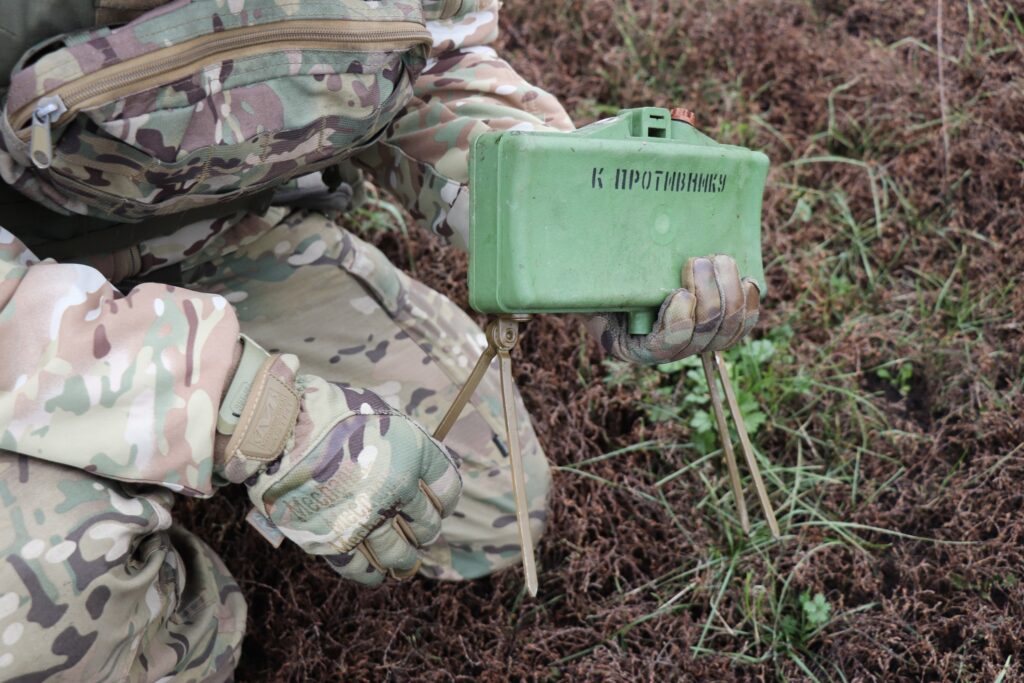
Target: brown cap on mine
(685, 115)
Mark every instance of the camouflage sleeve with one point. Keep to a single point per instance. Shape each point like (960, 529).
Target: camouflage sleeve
(126, 387)
(465, 89)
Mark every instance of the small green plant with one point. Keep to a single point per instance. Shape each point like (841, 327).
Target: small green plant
(898, 379)
(678, 391)
(757, 383)
(817, 610)
(813, 614)
(698, 398)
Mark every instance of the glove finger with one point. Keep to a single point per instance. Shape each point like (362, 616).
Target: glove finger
(751, 306)
(390, 550)
(731, 289)
(672, 331)
(699, 278)
(440, 480)
(419, 521)
(355, 566)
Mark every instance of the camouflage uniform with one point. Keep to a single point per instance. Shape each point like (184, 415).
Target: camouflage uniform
(109, 401)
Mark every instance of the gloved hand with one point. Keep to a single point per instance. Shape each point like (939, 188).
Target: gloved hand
(713, 310)
(335, 469)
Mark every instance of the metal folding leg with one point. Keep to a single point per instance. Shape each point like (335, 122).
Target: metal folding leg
(502, 337)
(714, 364)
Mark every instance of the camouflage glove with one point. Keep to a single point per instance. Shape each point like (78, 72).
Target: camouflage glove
(713, 310)
(335, 469)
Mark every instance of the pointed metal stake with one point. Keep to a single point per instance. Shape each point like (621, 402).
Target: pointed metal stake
(508, 337)
(748, 450)
(726, 439)
(502, 337)
(462, 398)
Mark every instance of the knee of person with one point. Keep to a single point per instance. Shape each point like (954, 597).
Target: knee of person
(59, 515)
(482, 536)
(77, 561)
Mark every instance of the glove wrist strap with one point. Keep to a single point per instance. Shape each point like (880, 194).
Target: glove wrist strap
(253, 356)
(270, 407)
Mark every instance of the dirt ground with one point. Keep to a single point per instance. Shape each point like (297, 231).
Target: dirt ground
(893, 437)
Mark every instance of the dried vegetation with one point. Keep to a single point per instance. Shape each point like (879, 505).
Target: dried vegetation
(894, 443)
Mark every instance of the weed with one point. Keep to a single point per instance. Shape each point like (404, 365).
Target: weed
(880, 255)
(898, 379)
(811, 615)
(678, 391)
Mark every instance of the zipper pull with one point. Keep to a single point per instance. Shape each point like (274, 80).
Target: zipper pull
(47, 111)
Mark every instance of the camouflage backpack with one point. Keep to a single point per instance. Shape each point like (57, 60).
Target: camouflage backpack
(200, 103)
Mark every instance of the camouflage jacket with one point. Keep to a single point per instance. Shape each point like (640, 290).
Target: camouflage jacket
(127, 385)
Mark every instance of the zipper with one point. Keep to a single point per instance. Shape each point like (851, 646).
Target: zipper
(40, 147)
(168, 64)
(136, 210)
(104, 201)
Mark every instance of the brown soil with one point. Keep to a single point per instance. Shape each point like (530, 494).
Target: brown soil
(929, 611)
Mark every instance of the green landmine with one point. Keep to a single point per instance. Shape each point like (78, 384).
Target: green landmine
(604, 218)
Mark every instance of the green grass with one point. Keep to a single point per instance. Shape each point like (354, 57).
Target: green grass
(765, 609)
(829, 429)
(829, 423)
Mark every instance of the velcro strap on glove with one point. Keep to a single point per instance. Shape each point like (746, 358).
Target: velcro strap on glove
(267, 418)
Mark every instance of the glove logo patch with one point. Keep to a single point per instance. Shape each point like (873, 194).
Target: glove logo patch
(270, 422)
(263, 432)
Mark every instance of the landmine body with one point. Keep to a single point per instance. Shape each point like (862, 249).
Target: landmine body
(602, 220)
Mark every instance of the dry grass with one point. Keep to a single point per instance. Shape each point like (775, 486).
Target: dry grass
(894, 443)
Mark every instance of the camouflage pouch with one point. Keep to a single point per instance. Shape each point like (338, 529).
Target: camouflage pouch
(203, 102)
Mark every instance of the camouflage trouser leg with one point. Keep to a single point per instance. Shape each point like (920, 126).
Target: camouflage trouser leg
(97, 583)
(309, 288)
